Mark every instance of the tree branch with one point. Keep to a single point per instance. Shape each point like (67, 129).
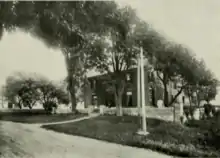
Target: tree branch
(113, 62)
(121, 63)
(158, 75)
(178, 93)
(117, 63)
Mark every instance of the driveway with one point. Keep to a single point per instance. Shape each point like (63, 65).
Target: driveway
(31, 141)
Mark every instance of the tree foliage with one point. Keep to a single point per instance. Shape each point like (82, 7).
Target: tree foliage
(63, 25)
(20, 90)
(115, 52)
(174, 63)
(50, 95)
(205, 87)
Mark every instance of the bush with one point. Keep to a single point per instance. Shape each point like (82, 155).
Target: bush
(189, 111)
(215, 130)
(217, 113)
(211, 128)
(49, 106)
(208, 110)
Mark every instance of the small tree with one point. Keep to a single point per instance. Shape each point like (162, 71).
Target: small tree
(51, 95)
(28, 93)
(21, 91)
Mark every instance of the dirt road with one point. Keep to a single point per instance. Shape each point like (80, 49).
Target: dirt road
(29, 141)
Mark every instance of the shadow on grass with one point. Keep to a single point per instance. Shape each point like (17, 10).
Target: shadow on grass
(166, 137)
(36, 116)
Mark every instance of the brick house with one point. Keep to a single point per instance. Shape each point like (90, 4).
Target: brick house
(97, 93)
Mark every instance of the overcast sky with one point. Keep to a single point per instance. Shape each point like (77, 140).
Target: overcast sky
(195, 23)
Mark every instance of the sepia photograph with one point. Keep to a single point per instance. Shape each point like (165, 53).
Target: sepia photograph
(109, 79)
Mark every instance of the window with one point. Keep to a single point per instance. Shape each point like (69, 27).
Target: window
(128, 77)
(183, 99)
(91, 84)
(94, 84)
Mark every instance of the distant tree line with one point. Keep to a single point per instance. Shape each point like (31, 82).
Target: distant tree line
(26, 91)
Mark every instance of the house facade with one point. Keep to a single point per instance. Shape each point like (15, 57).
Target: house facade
(97, 92)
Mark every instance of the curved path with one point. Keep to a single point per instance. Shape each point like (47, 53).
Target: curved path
(68, 121)
(30, 141)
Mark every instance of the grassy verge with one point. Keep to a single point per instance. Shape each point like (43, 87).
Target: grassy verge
(36, 116)
(166, 137)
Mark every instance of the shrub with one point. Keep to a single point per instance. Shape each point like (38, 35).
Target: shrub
(51, 95)
(21, 91)
(211, 128)
(209, 109)
(49, 106)
(189, 111)
(214, 136)
(217, 113)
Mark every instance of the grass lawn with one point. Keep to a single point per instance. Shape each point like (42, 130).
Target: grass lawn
(166, 137)
(2, 144)
(36, 116)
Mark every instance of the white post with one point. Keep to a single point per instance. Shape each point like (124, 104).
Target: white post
(138, 90)
(144, 126)
(181, 112)
(2, 101)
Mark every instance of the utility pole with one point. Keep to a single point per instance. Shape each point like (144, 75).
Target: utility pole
(138, 90)
(144, 126)
(143, 102)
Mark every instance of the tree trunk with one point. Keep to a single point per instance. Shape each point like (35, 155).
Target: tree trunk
(175, 97)
(19, 104)
(190, 105)
(190, 101)
(165, 99)
(208, 101)
(30, 107)
(119, 89)
(174, 113)
(70, 81)
(153, 97)
(118, 101)
(73, 99)
(197, 99)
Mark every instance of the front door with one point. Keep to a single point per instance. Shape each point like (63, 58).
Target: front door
(129, 99)
(94, 101)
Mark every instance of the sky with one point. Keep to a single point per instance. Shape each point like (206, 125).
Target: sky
(194, 23)
(21, 52)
